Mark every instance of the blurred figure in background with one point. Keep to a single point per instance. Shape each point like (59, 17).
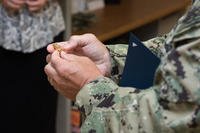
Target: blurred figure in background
(28, 103)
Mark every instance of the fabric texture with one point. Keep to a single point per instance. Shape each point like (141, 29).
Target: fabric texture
(28, 102)
(26, 32)
(172, 105)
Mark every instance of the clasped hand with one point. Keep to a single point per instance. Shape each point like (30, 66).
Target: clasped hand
(16, 5)
(82, 59)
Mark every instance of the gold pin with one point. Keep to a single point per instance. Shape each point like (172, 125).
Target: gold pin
(58, 48)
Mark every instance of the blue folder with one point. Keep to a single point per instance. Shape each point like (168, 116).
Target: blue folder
(140, 65)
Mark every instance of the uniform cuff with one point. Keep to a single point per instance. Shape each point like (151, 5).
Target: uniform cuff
(94, 93)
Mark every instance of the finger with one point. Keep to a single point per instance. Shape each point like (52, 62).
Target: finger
(72, 45)
(78, 41)
(69, 57)
(17, 2)
(51, 81)
(51, 72)
(34, 3)
(58, 62)
(51, 48)
(48, 58)
(53, 77)
(10, 4)
(62, 66)
(33, 9)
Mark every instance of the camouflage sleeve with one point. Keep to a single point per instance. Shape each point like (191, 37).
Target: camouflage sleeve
(157, 45)
(172, 105)
(118, 54)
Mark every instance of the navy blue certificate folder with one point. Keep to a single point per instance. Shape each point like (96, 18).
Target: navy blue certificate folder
(140, 65)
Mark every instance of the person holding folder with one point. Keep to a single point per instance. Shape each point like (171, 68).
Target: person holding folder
(84, 69)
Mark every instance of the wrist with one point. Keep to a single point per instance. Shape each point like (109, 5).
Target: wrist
(107, 60)
(92, 77)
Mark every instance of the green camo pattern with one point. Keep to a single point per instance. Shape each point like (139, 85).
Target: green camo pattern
(172, 105)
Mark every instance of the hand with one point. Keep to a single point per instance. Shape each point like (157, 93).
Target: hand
(13, 5)
(35, 5)
(88, 45)
(68, 73)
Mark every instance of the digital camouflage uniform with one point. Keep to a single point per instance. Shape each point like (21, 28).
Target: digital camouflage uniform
(172, 105)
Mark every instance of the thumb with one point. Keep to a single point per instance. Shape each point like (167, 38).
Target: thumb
(69, 57)
(70, 46)
(79, 41)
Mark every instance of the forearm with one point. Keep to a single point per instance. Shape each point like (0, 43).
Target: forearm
(109, 108)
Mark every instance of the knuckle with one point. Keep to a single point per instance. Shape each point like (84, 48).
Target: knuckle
(46, 69)
(85, 59)
(74, 37)
(90, 35)
(53, 59)
(62, 70)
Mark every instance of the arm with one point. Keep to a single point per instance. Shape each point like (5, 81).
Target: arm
(171, 105)
(109, 107)
(104, 102)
